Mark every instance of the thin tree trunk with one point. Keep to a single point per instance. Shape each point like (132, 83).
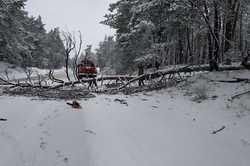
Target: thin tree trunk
(189, 54)
(231, 21)
(67, 66)
(204, 53)
(216, 31)
(241, 32)
(223, 37)
(211, 35)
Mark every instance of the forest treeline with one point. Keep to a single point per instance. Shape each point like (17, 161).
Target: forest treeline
(170, 32)
(24, 40)
(149, 32)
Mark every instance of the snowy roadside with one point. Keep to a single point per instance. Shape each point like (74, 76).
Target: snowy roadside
(17, 73)
(166, 127)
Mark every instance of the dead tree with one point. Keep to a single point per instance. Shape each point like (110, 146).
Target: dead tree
(77, 53)
(28, 73)
(70, 45)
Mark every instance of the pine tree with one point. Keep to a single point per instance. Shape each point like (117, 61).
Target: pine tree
(24, 40)
(179, 31)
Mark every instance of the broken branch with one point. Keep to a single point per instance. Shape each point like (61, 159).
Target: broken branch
(219, 130)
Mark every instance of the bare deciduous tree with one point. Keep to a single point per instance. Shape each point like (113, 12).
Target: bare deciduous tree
(28, 73)
(70, 45)
(77, 53)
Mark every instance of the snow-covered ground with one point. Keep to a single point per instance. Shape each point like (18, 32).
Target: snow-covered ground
(167, 127)
(14, 72)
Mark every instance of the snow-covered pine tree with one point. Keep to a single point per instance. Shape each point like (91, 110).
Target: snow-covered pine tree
(178, 31)
(24, 40)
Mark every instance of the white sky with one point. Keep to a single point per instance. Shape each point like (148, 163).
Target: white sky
(74, 15)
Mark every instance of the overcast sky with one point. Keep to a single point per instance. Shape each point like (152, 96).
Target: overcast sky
(74, 15)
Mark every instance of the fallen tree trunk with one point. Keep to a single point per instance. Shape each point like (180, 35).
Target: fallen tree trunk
(5, 82)
(242, 79)
(186, 69)
(157, 74)
(233, 80)
(228, 81)
(207, 68)
(23, 85)
(128, 79)
(240, 94)
(72, 83)
(116, 77)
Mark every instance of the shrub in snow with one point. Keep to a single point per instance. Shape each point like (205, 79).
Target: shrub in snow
(200, 92)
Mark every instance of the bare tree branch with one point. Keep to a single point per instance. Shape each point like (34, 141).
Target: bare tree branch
(77, 53)
(53, 78)
(70, 45)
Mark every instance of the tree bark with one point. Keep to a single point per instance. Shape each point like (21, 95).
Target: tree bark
(232, 8)
(216, 31)
(211, 35)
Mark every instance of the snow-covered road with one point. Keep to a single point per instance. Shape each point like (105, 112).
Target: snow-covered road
(154, 129)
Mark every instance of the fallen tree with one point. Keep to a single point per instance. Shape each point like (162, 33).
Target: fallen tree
(239, 95)
(233, 80)
(158, 79)
(105, 78)
(177, 72)
(18, 83)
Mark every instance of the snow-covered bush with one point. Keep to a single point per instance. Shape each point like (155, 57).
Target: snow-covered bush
(200, 92)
